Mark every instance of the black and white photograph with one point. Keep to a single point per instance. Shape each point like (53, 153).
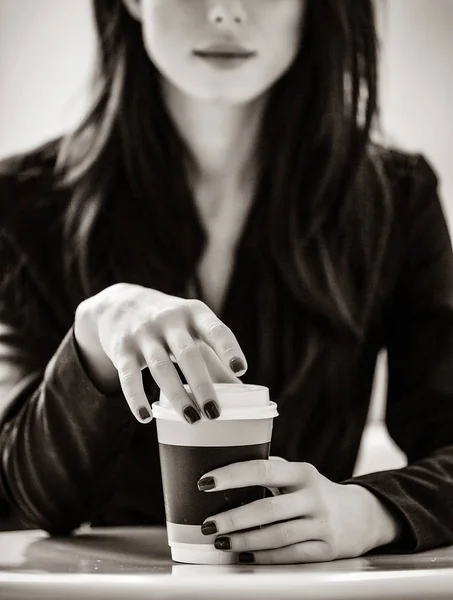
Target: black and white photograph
(226, 299)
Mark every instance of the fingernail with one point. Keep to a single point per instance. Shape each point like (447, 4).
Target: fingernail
(237, 365)
(209, 528)
(222, 543)
(207, 483)
(191, 415)
(211, 409)
(144, 413)
(246, 557)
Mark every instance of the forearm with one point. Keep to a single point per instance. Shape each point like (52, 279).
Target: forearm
(59, 453)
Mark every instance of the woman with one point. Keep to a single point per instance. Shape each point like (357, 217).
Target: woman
(221, 212)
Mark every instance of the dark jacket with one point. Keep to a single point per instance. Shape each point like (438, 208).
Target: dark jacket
(69, 454)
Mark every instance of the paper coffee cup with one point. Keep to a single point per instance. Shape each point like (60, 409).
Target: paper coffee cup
(242, 432)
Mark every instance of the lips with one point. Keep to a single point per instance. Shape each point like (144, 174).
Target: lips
(224, 51)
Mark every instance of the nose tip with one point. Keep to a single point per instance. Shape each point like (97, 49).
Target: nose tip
(226, 13)
(219, 19)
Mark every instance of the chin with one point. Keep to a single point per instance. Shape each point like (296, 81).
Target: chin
(226, 94)
(227, 99)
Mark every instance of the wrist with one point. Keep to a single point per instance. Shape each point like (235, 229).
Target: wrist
(95, 362)
(380, 525)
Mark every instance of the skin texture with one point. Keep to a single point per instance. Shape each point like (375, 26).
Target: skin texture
(126, 327)
(312, 520)
(172, 29)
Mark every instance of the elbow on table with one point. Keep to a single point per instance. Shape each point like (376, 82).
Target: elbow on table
(56, 525)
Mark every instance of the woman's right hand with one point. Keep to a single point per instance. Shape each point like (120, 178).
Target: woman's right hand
(127, 327)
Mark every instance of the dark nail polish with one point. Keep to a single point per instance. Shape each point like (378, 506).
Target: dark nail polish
(144, 413)
(211, 409)
(222, 543)
(246, 557)
(207, 483)
(236, 365)
(191, 415)
(209, 528)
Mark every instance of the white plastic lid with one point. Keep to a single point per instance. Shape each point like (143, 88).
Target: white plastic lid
(237, 401)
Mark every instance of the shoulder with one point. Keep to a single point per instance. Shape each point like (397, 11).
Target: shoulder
(409, 175)
(410, 184)
(31, 224)
(27, 164)
(419, 245)
(417, 226)
(30, 204)
(33, 296)
(28, 172)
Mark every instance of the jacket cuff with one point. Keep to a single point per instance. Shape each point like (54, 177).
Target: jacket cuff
(67, 378)
(416, 534)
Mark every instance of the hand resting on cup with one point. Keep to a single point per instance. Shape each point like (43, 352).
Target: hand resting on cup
(127, 327)
(311, 520)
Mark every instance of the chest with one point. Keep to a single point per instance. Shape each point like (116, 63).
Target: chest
(216, 265)
(214, 273)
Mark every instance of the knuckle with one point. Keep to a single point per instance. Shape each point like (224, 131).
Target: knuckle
(126, 376)
(97, 305)
(331, 538)
(159, 363)
(265, 470)
(204, 386)
(166, 316)
(120, 347)
(185, 350)
(229, 522)
(180, 397)
(216, 329)
(270, 509)
(240, 542)
(83, 310)
(308, 470)
(303, 554)
(114, 311)
(195, 304)
(284, 535)
(140, 329)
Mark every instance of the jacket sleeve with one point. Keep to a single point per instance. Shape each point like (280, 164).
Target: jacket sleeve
(418, 324)
(61, 439)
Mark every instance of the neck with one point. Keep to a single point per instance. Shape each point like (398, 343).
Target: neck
(221, 137)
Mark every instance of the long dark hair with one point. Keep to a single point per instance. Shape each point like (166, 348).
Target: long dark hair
(321, 188)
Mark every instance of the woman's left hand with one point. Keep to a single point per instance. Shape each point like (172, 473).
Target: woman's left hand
(312, 520)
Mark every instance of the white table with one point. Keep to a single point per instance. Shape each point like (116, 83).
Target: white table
(135, 563)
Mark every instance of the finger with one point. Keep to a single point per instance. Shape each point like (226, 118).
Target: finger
(188, 356)
(274, 490)
(215, 333)
(262, 512)
(267, 473)
(166, 376)
(273, 536)
(130, 378)
(305, 552)
(217, 370)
